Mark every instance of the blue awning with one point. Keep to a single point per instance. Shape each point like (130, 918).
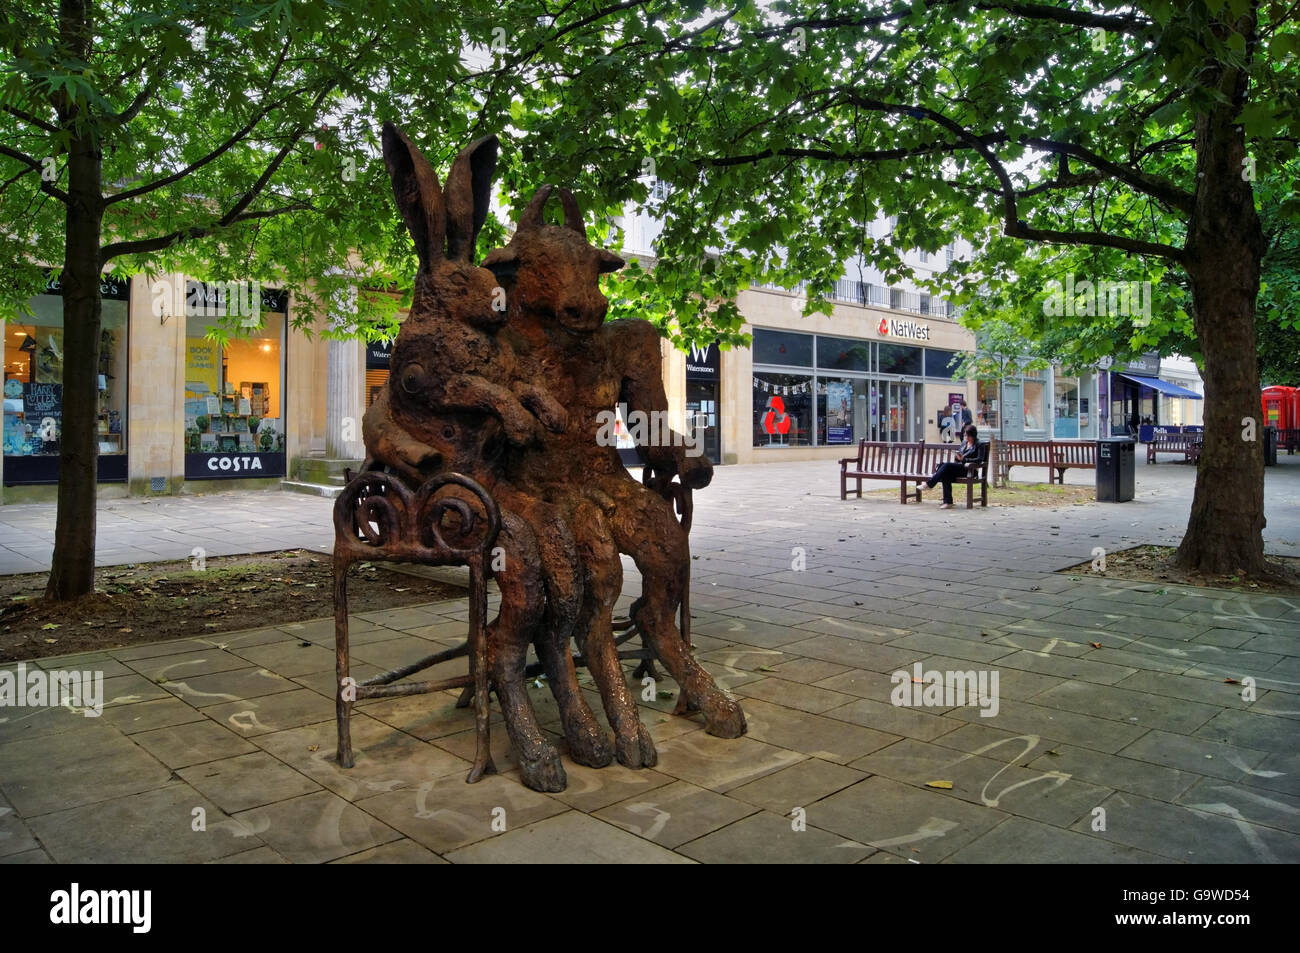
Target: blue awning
(1155, 383)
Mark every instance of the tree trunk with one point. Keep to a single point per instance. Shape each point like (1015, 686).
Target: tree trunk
(1225, 245)
(72, 571)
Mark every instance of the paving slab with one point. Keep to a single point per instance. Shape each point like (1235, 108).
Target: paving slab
(889, 815)
(569, 838)
(1017, 837)
(153, 827)
(315, 828)
(676, 813)
(767, 838)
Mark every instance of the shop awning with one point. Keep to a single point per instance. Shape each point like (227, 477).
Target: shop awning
(1166, 388)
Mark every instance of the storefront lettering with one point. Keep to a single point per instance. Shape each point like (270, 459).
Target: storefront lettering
(234, 464)
(890, 327)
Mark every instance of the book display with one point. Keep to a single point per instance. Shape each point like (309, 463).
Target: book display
(227, 420)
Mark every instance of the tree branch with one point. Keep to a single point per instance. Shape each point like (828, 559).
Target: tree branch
(32, 120)
(1142, 182)
(220, 150)
(161, 242)
(49, 188)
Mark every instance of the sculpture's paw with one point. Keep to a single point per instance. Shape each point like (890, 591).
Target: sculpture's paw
(723, 717)
(590, 746)
(695, 472)
(546, 773)
(553, 417)
(635, 748)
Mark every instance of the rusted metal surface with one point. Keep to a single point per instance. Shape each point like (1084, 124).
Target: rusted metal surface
(501, 375)
(377, 518)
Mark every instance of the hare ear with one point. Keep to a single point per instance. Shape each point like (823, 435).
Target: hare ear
(419, 199)
(469, 186)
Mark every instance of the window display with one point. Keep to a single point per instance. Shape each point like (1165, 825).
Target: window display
(782, 410)
(986, 405)
(835, 410)
(33, 387)
(1033, 405)
(234, 415)
(1065, 422)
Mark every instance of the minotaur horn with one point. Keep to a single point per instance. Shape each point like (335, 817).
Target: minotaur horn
(532, 216)
(572, 214)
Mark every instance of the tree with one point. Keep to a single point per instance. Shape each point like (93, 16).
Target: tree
(1131, 129)
(227, 139)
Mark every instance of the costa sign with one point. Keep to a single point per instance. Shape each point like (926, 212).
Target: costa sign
(912, 330)
(216, 465)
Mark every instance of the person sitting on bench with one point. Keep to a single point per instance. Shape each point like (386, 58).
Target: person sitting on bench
(956, 469)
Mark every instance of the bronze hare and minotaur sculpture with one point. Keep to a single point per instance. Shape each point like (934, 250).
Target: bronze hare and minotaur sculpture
(504, 373)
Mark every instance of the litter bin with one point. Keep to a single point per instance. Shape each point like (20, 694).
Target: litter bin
(1116, 460)
(1270, 446)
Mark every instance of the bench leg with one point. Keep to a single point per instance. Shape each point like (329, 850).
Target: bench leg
(859, 488)
(902, 492)
(342, 690)
(844, 485)
(970, 495)
(478, 664)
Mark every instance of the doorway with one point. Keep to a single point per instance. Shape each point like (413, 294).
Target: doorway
(702, 417)
(894, 411)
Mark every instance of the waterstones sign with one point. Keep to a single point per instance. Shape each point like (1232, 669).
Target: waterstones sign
(911, 330)
(233, 465)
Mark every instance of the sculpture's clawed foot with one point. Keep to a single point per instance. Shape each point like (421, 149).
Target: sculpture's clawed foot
(590, 746)
(723, 717)
(635, 748)
(546, 773)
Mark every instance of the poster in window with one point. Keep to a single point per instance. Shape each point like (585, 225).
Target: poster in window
(49, 356)
(839, 403)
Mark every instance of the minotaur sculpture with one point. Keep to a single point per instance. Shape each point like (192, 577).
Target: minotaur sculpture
(500, 375)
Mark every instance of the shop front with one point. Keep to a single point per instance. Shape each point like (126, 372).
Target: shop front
(179, 412)
(822, 390)
(234, 404)
(33, 386)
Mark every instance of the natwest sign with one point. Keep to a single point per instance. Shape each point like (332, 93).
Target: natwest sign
(913, 330)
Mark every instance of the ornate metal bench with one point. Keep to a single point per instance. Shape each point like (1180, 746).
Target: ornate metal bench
(378, 518)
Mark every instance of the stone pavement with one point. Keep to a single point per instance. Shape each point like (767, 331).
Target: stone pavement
(1117, 735)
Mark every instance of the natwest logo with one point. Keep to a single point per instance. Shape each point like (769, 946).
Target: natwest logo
(776, 420)
(914, 330)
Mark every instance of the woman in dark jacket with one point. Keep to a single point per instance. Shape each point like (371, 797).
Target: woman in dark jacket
(955, 470)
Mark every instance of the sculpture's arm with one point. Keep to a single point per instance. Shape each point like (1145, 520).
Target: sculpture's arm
(390, 444)
(635, 346)
(469, 392)
(542, 405)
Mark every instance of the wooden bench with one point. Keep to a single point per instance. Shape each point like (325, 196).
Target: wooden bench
(1288, 440)
(912, 463)
(1056, 456)
(1186, 444)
